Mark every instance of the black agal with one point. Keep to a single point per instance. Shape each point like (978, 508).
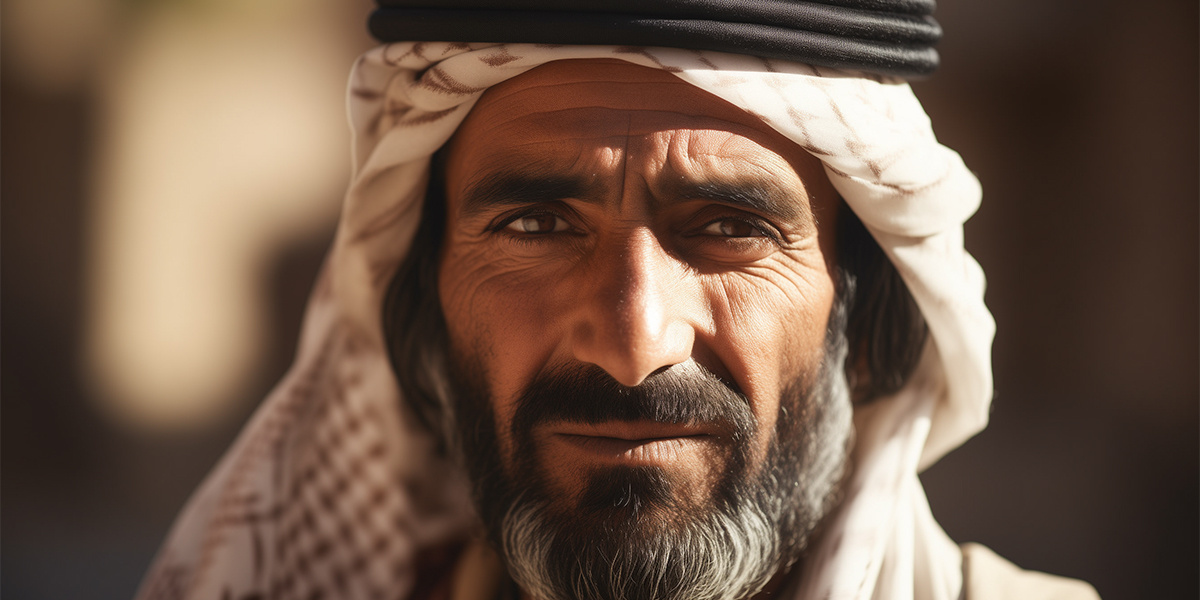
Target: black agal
(890, 37)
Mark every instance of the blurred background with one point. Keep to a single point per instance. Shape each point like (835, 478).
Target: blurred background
(171, 177)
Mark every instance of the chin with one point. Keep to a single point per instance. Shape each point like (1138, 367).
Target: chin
(635, 544)
(635, 499)
(714, 529)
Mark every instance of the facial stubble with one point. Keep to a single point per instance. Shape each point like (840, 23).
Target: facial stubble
(630, 533)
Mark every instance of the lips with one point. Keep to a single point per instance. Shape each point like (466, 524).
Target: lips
(629, 442)
(632, 430)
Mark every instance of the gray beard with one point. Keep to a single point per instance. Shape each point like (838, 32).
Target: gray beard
(629, 540)
(719, 555)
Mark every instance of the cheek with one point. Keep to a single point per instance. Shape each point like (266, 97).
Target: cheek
(774, 321)
(500, 313)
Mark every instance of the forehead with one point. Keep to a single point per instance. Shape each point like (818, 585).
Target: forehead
(577, 113)
(600, 86)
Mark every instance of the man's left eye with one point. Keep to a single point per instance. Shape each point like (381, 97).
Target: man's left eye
(733, 228)
(538, 224)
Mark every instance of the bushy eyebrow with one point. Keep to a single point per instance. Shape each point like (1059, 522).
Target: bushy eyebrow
(535, 184)
(757, 194)
(518, 187)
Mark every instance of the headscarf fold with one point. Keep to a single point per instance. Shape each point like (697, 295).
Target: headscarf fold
(335, 489)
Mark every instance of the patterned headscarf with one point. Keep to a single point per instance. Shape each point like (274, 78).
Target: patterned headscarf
(335, 490)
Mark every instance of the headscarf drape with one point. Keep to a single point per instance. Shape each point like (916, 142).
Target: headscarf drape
(333, 488)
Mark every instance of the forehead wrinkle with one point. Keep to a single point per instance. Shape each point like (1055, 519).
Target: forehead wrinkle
(620, 94)
(546, 138)
(731, 178)
(562, 158)
(569, 126)
(793, 202)
(623, 171)
(505, 151)
(593, 122)
(597, 162)
(512, 177)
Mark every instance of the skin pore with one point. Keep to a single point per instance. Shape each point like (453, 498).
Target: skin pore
(602, 215)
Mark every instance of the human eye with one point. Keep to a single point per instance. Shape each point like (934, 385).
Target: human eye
(740, 227)
(729, 236)
(536, 224)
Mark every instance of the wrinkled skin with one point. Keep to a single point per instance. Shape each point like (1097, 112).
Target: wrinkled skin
(600, 213)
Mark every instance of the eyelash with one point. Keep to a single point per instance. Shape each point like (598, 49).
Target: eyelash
(764, 228)
(502, 223)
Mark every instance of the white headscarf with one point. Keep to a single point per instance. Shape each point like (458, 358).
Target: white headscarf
(334, 488)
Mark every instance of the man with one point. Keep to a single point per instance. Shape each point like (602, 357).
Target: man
(632, 312)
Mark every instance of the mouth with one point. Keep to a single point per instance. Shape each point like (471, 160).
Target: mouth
(631, 443)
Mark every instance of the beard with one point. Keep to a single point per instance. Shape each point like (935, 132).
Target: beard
(630, 533)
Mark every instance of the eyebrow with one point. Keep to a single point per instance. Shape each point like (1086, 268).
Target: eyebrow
(528, 185)
(757, 194)
(536, 184)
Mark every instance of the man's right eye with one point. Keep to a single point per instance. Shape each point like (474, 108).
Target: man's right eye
(538, 224)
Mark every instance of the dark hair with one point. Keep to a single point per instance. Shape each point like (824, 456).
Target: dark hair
(414, 327)
(885, 330)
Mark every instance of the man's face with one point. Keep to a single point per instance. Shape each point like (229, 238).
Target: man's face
(636, 281)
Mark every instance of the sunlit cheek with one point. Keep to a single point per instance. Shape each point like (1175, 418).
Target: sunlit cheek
(771, 326)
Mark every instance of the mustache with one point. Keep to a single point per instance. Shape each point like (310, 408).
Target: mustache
(683, 394)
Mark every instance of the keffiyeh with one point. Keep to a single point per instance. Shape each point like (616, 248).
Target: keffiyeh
(334, 489)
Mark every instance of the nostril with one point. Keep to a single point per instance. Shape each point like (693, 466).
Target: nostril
(661, 369)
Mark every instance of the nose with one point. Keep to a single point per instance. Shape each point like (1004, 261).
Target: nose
(635, 312)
